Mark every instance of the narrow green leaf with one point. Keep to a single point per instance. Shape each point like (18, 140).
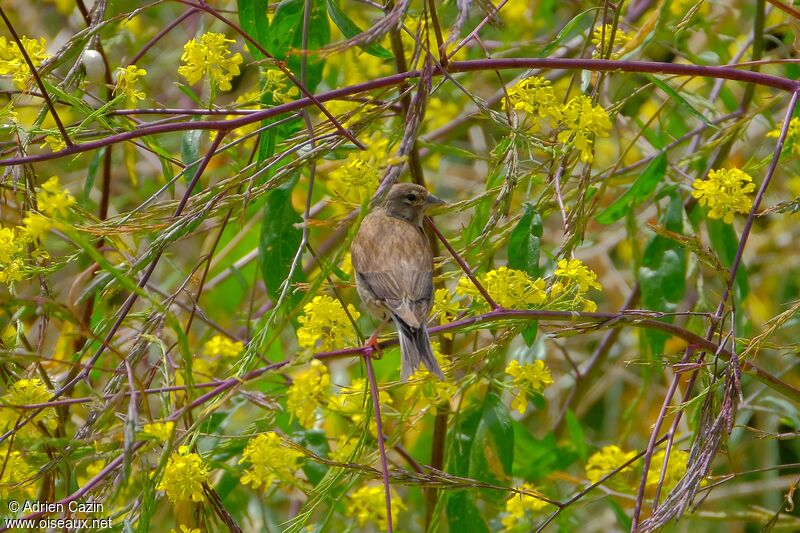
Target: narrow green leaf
(662, 273)
(463, 514)
(640, 191)
(675, 95)
(91, 172)
(578, 24)
(576, 434)
(524, 242)
(254, 21)
(725, 243)
(279, 242)
(523, 254)
(190, 152)
(492, 454)
(350, 29)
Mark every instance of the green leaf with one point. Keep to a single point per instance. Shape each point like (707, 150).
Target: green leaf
(576, 434)
(524, 242)
(535, 459)
(190, 152)
(316, 441)
(523, 254)
(286, 32)
(463, 514)
(577, 25)
(725, 243)
(672, 93)
(254, 21)
(91, 172)
(662, 273)
(492, 455)
(279, 241)
(640, 191)
(350, 29)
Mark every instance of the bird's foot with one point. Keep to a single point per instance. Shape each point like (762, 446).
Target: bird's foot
(374, 348)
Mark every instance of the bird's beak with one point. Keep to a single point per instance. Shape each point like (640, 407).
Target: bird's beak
(432, 200)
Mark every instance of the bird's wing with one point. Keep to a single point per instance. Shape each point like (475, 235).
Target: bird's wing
(392, 259)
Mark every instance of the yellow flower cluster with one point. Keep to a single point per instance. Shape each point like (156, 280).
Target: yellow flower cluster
(582, 120)
(357, 179)
(26, 392)
(308, 391)
(209, 56)
(160, 431)
(509, 288)
(425, 389)
(792, 136)
(13, 64)
(575, 279)
(603, 34)
(725, 192)
(220, 346)
(675, 469)
(527, 379)
(184, 476)
(324, 325)
(271, 459)
(579, 119)
(16, 477)
(127, 78)
(519, 506)
(535, 96)
(279, 86)
(605, 461)
(53, 201)
(367, 504)
(54, 143)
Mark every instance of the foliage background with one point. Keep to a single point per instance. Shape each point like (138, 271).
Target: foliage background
(518, 195)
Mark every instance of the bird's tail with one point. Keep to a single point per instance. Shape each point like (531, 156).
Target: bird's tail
(415, 346)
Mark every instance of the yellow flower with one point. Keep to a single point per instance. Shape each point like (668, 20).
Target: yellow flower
(26, 392)
(277, 84)
(52, 199)
(36, 225)
(581, 120)
(575, 272)
(12, 243)
(309, 390)
(519, 506)
(605, 461)
(184, 476)
(368, 504)
(792, 136)
(527, 379)
(127, 78)
(16, 477)
(159, 430)
(509, 288)
(12, 271)
(13, 64)
(599, 34)
(444, 307)
(535, 96)
(54, 143)
(324, 325)
(675, 469)
(725, 192)
(209, 56)
(351, 401)
(356, 180)
(219, 346)
(271, 459)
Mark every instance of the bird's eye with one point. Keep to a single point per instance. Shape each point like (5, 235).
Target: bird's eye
(411, 197)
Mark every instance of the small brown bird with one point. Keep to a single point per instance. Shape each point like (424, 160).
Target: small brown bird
(393, 264)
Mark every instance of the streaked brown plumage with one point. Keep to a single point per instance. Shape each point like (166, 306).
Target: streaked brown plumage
(393, 264)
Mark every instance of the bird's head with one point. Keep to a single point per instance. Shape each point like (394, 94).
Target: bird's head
(409, 202)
